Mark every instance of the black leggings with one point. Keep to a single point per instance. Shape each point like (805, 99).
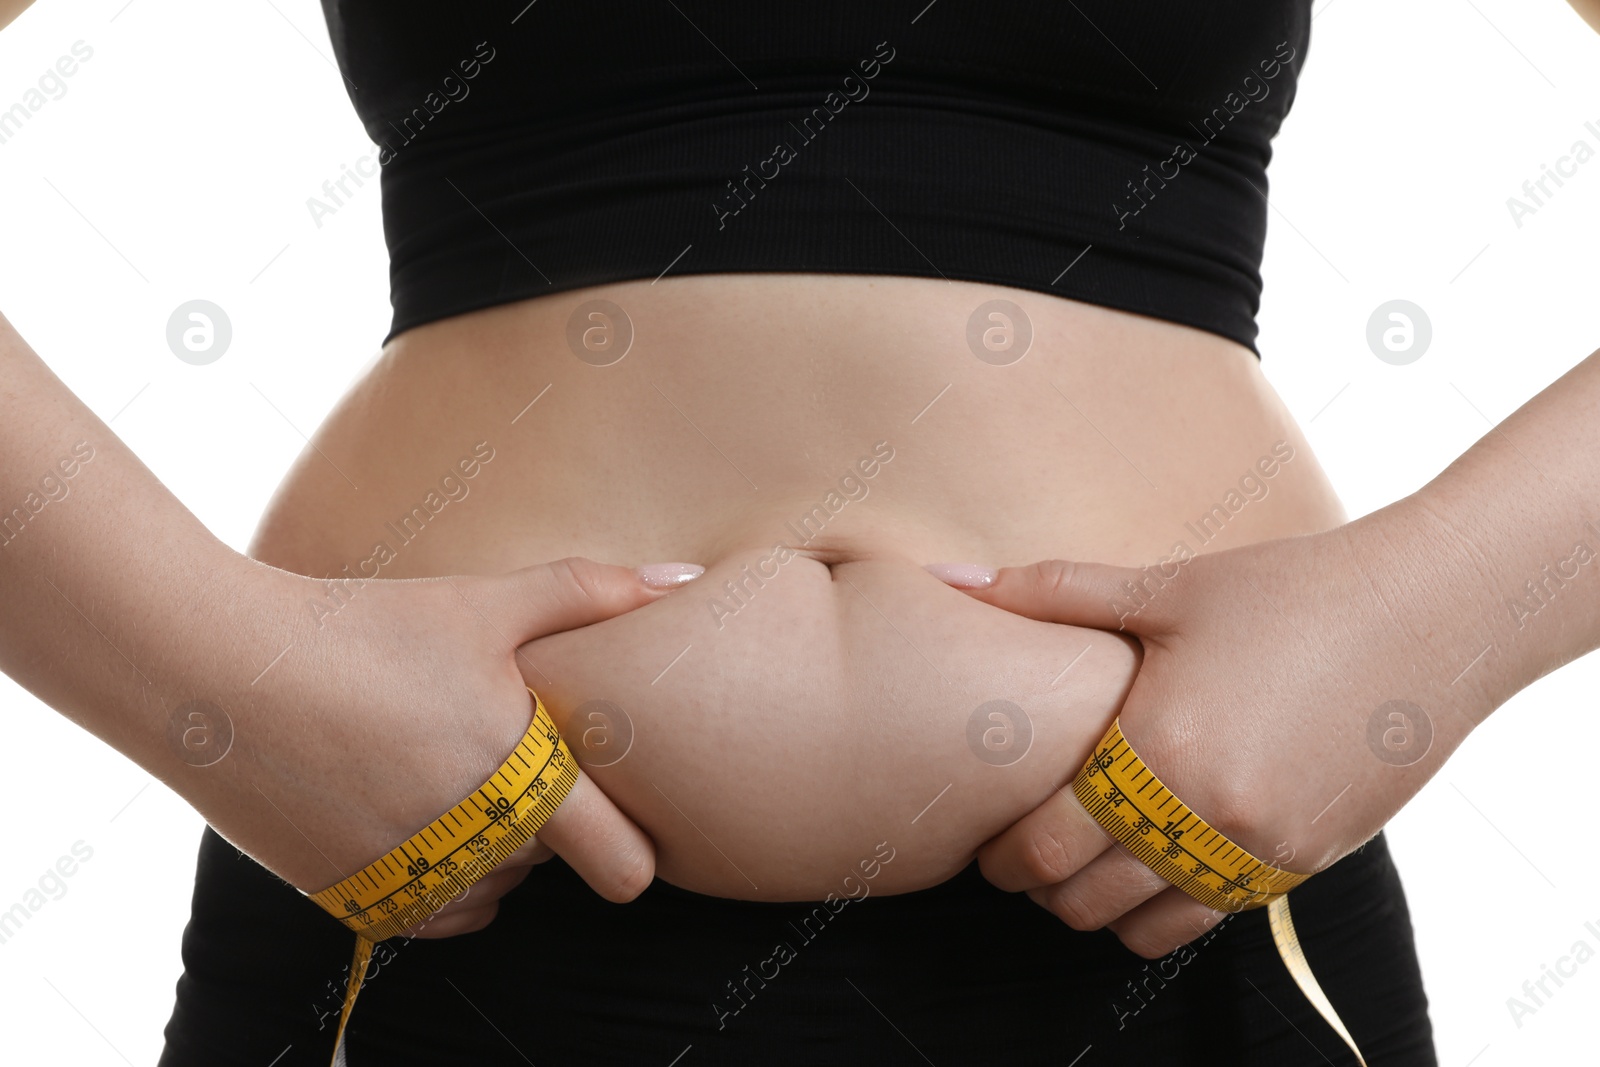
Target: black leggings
(954, 975)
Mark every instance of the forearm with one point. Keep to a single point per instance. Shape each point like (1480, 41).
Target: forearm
(1589, 11)
(10, 9)
(120, 609)
(118, 600)
(1498, 576)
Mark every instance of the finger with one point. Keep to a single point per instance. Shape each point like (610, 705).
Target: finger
(570, 593)
(1164, 923)
(530, 854)
(1048, 845)
(1110, 886)
(1085, 594)
(449, 924)
(492, 887)
(599, 842)
(480, 900)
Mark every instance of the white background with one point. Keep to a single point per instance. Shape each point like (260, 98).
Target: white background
(177, 166)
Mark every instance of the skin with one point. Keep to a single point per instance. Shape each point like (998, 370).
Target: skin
(191, 612)
(1589, 10)
(773, 748)
(1435, 609)
(10, 9)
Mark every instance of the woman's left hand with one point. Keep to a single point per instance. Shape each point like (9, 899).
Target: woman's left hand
(1294, 694)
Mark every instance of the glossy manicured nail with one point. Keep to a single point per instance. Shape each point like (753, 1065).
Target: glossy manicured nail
(667, 575)
(962, 575)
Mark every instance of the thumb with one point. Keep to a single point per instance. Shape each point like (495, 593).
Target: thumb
(568, 593)
(1138, 600)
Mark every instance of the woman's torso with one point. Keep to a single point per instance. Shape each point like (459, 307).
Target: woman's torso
(837, 725)
(779, 722)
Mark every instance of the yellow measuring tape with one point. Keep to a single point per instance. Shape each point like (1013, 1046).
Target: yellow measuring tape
(444, 858)
(1130, 803)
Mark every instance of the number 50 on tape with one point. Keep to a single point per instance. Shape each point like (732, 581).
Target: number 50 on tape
(443, 859)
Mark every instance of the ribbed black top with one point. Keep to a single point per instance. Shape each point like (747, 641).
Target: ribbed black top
(1100, 150)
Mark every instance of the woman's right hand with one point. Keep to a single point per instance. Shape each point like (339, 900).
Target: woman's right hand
(387, 712)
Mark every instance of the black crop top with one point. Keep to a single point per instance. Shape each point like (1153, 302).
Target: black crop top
(1108, 151)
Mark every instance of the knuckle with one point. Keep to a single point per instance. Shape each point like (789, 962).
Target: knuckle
(473, 921)
(1046, 858)
(578, 576)
(634, 879)
(1236, 808)
(1069, 905)
(1055, 577)
(1148, 944)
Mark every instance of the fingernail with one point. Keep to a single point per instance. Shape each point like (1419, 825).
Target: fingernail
(668, 575)
(962, 575)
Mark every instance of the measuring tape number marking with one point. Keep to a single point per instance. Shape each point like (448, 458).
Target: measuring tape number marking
(1129, 802)
(443, 859)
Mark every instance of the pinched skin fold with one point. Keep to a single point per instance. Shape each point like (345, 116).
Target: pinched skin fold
(830, 715)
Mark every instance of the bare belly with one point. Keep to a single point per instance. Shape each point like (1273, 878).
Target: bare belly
(816, 701)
